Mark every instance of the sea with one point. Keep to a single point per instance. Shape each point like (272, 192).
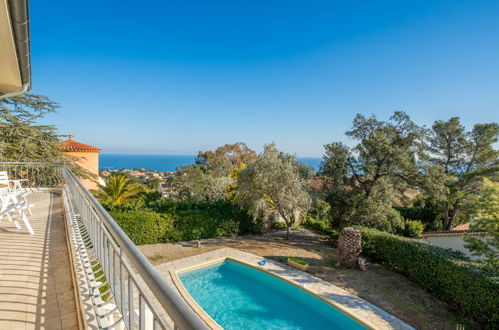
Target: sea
(165, 163)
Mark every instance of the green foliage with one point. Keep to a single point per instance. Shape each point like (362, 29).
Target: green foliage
(447, 275)
(456, 161)
(152, 183)
(273, 185)
(320, 226)
(223, 160)
(147, 227)
(428, 216)
(362, 181)
(207, 219)
(320, 208)
(278, 225)
(298, 261)
(118, 190)
(194, 182)
(486, 211)
(413, 228)
(21, 138)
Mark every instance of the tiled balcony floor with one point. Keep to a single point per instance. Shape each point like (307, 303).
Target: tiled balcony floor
(36, 290)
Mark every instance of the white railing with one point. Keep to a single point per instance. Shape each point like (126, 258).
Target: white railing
(125, 288)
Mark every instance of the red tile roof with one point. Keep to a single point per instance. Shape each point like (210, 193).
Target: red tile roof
(71, 145)
(464, 226)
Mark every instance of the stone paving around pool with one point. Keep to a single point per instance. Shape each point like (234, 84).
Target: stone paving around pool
(358, 308)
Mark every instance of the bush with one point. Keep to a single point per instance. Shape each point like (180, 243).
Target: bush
(298, 261)
(278, 225)
(413, 228)
(447, 275)
(146, 227)
(320, 226)
(428, 216)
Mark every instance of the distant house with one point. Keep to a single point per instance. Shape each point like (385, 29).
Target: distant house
(166, 189)
(453, 239)
(87, 157)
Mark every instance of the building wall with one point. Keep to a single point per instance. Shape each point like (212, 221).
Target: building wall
(90, 162)
(455, 242)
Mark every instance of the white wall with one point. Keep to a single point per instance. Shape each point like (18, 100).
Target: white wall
(450, 242)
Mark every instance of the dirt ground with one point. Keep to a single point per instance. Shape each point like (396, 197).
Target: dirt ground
(385, 289)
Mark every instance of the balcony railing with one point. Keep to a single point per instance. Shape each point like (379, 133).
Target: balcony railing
(124, 288)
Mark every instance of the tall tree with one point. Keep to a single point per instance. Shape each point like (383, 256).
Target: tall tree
(465, 159)
(226, 158)
(21, 138)
(273, 185)
(362, 181)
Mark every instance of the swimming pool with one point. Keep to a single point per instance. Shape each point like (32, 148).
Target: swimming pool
(241, 297)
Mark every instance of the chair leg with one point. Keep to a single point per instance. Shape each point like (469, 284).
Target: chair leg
(29, 207)
(26, 222)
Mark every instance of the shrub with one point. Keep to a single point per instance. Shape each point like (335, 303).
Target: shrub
(278, 225)
(413, 228)
(146, 227)
(298, 261)
(447, 275)
(428, 216)
(320, 226)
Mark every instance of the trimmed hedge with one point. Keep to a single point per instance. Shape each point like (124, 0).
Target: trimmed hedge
(146, 227)
(450, 276)
(184, 221)
(320, 226)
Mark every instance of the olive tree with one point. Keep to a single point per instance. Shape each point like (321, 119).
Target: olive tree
(273, 185)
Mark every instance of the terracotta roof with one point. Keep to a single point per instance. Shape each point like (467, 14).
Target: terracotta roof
(453, 233)
(464, 226)
(71, 145)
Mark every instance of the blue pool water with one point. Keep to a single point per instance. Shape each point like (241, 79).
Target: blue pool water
(241, 297)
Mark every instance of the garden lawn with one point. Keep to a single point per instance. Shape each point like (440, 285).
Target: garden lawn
(385, 289)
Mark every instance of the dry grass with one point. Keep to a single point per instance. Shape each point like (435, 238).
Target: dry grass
(385, 289)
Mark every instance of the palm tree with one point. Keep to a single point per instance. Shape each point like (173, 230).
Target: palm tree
(119, 189)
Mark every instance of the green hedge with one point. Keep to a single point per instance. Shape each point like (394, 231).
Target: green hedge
(147, 227)
(449, 276)
(184, 221)
(322, 226)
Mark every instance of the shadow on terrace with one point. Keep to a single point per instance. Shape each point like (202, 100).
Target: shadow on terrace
(78, 270)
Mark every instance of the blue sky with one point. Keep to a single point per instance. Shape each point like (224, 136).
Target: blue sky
(175, 77)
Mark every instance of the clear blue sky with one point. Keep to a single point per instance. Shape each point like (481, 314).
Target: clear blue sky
(182, 76)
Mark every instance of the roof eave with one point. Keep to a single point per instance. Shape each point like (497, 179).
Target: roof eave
(19, 19)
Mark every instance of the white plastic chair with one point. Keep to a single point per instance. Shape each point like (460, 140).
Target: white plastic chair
(9, 204)
(16, 187)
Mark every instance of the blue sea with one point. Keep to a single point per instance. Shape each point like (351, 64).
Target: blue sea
(164, 163)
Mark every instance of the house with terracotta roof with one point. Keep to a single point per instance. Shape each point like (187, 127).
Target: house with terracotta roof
(453, 239)
(86, 156)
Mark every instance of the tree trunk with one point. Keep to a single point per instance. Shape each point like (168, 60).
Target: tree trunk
(288, 237)
(445, 218)
(452, 217)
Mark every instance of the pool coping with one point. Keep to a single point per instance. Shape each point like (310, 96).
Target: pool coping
(357, 308)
